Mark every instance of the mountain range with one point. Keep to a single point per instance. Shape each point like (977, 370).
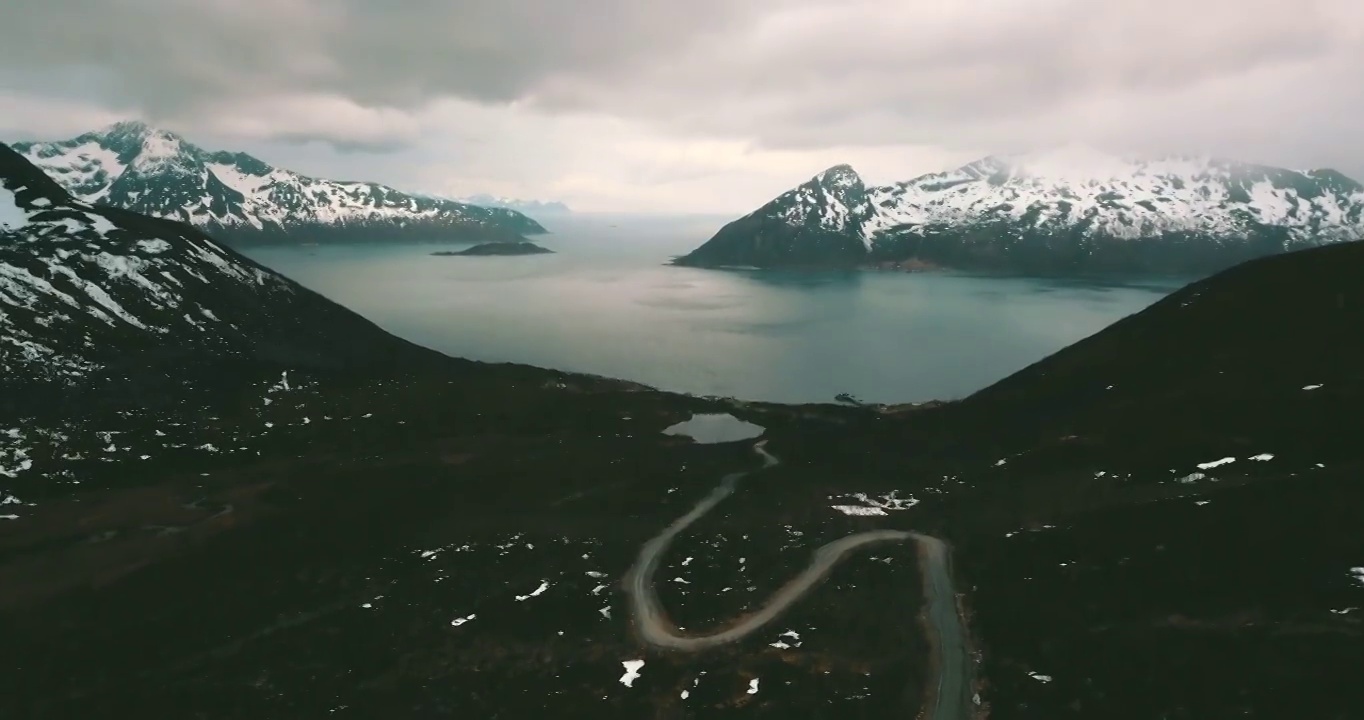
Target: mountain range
(242, 200)
(224, 496)
(529, 207)
(1071, 210)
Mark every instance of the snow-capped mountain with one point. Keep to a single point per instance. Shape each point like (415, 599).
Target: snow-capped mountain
(88, 294)
(239, 198)
(529, 207)
(1068, 210)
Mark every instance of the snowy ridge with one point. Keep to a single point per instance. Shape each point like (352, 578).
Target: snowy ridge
(1125, 197)
(1067, 210)
(132, 166)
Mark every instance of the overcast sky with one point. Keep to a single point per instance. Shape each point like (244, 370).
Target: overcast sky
(689, 105)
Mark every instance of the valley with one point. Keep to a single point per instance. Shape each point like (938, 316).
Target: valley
(287, 511)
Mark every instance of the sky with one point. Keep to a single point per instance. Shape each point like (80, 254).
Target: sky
(705, 106)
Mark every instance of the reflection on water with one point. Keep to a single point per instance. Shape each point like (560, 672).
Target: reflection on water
(804, 279)
(715, 428)
(607, 304)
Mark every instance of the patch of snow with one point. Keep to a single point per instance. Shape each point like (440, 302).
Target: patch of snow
(461, 620)
(1216, 463)
(875, 506)
(859, 510)
(544, 585)
(1311, 387)
(12, 217)
(632, 668)
(1040, 678)
(100, 224)
(154, 246)
(890, 501)
(782, 644)
(753, 686)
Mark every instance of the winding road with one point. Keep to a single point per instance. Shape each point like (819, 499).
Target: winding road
(951, 697)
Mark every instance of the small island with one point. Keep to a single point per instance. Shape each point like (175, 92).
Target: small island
(499, 248)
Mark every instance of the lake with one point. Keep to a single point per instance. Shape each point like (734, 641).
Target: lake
(606, 304)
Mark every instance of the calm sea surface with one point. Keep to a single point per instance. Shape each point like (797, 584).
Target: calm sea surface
(606, 304)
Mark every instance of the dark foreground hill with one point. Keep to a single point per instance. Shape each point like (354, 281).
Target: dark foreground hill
(359, 526)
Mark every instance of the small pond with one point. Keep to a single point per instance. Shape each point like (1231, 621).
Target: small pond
(715, 428)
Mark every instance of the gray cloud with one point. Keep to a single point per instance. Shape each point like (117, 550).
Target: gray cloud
(344, 146)
(1263, 80)
(173, 55)
(889, 72)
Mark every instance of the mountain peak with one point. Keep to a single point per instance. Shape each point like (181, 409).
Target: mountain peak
(130, 132)
(126, 127)
(143, 147)
(841, 176)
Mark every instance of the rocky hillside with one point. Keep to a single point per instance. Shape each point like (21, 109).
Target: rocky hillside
(240, 199)
(1068, 211)
(91, 295)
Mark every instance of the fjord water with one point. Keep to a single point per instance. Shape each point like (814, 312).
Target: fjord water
(605, 303)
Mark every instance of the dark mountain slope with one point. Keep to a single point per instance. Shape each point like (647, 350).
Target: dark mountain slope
(1163, 518)
(1229, 354)
(97, 297)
